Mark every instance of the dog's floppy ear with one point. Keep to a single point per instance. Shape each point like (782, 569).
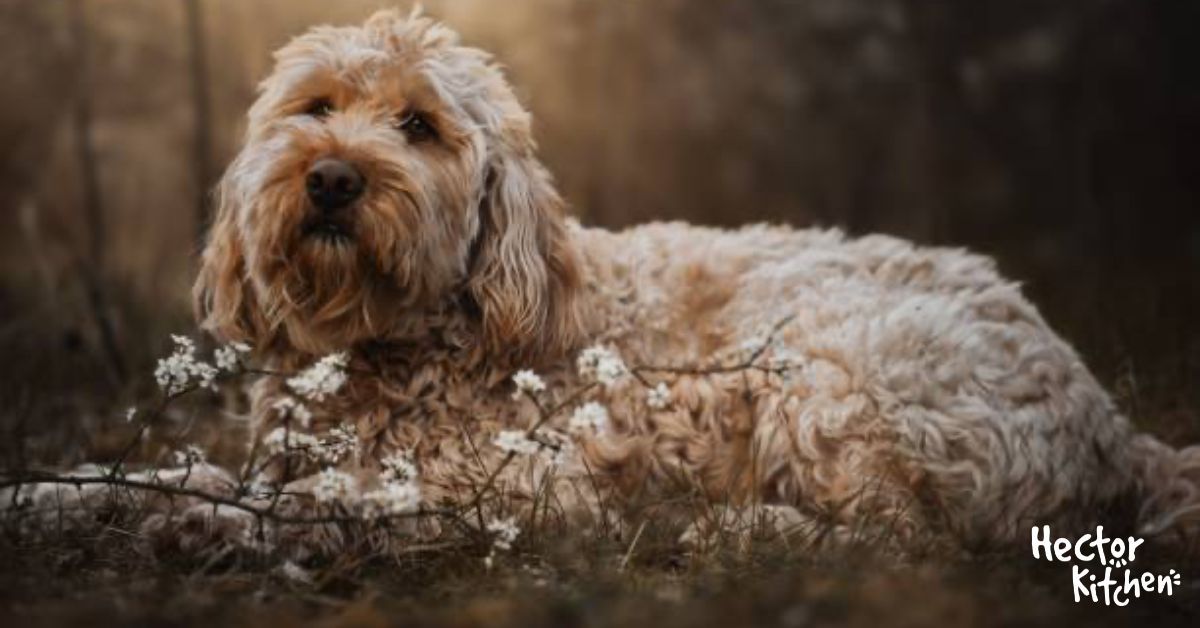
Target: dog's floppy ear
(525, 274)
(222, 298)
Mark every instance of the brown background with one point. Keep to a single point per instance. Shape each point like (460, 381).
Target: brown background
(1055, 135)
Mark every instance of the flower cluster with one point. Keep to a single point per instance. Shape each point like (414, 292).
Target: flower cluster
(398, 468)
(555, 447)
(336, 486)
(341, 442)
(289, 408)
(283, 440)
(601, 364)
(591, 416)
(505, 532)
(399, 493)
(322, 379)
(659, 397)
(229, 357)
(180, 370)
(527, 382)
(393, 498)
(516, 442)
(188, 456)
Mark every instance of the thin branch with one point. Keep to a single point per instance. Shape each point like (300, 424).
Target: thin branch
(748, 364)
(31, 477)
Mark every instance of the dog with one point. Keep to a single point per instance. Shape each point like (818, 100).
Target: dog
(388, 203)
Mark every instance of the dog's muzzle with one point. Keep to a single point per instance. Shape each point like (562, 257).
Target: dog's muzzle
(333, 184)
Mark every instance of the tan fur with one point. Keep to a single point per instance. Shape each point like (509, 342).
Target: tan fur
(928, 392)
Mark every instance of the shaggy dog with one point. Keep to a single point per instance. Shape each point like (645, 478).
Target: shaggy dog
(388, 203)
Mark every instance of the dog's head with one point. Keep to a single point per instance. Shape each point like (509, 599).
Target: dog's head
(387, 170)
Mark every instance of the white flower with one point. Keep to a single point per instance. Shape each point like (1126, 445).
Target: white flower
(398, 467)
(324, 378)
(176, 372)
(335, 486)
(505, 531)
(188, 456)
(515, 441)
(589, 416)
(394, 498)
(336, 446)
(601, 364)
(274, 441)
(225, 358)
(659, 397)
(228, 358)
(342, 441)
(527, 382)
(130, 413)
(289, 407)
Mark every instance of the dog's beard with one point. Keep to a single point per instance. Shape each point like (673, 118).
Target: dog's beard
(332, 281)
(322, 280)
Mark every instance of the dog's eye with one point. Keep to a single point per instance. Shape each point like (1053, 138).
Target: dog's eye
(319, 108)
(415, 126)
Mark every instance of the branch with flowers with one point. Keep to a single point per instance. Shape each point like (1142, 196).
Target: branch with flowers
(337, 495)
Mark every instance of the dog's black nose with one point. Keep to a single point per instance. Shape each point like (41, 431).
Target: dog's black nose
(333, 184)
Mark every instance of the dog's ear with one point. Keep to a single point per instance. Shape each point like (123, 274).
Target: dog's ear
(222, 298)
(525, 274)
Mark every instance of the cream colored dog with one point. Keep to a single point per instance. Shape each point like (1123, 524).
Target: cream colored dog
(388, 203)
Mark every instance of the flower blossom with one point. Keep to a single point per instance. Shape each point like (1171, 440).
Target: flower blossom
(283, 440)
(228, 358)
(287, 407)
(336, 486)
(601, 364)
(176, 372)
(516, 442)
(398, 468)
(590, 416)
(505, 531)
(322, 379)
(393, 498)
(659, 397)
(527, 382)
(399, 493)
(342, 441)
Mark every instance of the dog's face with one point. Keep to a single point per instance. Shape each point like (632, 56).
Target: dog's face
(387, 172)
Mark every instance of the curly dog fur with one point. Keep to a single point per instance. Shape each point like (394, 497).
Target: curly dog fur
(926, 390)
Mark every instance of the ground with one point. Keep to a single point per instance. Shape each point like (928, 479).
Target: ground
(1138, 344)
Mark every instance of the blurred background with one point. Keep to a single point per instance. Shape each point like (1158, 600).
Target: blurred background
(1052, 134)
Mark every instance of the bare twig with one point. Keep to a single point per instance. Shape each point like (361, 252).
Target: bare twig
(33, 477)
(750, 363)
